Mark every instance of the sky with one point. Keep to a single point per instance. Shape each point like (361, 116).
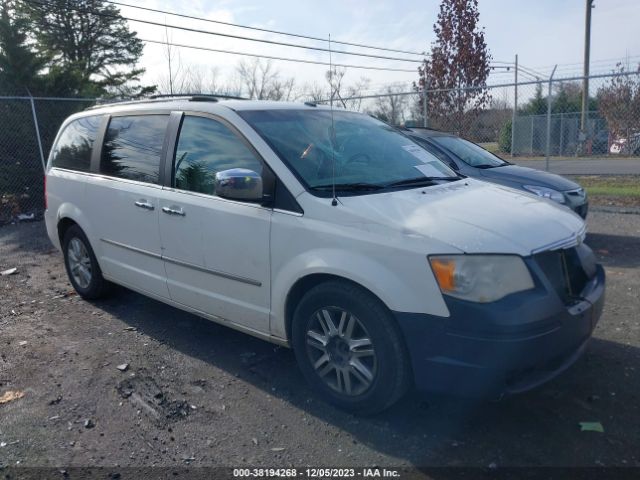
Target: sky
(541, 32)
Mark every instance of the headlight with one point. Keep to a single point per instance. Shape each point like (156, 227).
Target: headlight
(480, 278)
(545, 192)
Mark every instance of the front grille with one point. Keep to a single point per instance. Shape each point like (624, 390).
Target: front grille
(578, 193)
(566, 271)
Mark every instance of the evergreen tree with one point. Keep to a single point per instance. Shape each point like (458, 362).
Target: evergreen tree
(20, 65)
(92, 52)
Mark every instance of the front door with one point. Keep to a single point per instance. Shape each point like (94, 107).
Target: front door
(216, 251)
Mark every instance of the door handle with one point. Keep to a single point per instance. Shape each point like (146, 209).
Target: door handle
(144, 204)
(174, 211)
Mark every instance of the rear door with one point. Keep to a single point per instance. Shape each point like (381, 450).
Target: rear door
(216, 251)
(123, 201)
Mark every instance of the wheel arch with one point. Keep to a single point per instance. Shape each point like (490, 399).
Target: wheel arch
(306, 283)
(68, 215)
(63, 226)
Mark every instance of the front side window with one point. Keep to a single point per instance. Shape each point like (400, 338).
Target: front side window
(358, 151)
(205, 147)
(73, 148)
(133, 146)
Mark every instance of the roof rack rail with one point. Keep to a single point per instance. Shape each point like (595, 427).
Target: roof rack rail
(197, 97)
(191, 97)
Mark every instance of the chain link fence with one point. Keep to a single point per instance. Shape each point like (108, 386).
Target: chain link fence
(541, 117)
(533, 118)
(28, 127)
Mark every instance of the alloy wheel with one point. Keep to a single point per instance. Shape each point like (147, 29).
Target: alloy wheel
(79, 262)
(341, 351)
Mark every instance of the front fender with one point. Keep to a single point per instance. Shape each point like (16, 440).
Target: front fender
(415, 291)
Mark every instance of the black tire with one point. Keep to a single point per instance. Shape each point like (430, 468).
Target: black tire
(389, 366)
(97, 286)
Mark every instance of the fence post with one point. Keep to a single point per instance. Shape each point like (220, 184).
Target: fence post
(425, 121)
(549, 119)
(532, 118)
(35, 124)
(515, 110)
(561, 134)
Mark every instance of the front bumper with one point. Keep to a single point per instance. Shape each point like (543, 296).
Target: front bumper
(577, 201)
(504, 347)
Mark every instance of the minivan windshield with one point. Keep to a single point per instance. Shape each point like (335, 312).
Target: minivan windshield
(362, 154)
(470, 153)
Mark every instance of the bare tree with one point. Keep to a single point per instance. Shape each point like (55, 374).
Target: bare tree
(356, 90)
(314, 93)
(343, 93)
(262, 81)
(391, 107)
(334, 77)
(174, 81)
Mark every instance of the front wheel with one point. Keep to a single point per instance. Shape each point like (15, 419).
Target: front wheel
(349, 348)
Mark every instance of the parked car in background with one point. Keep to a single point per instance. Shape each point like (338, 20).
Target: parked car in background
(474, 161)
(329, 232)
(626, 146)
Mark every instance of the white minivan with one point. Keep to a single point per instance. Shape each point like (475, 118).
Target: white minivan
(330, 232)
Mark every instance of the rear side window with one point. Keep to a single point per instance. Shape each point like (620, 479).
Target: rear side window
(205, 147)
(132, 147)
(73, 148)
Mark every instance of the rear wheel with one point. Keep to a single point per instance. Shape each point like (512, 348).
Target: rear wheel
(82, 266)
(349, 348)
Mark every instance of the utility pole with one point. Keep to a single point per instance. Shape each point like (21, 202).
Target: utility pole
(585, 80)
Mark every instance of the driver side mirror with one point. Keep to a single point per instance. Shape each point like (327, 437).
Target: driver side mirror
(239, 184)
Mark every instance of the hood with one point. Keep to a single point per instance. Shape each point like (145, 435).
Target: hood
(472, 216)
(529, 176)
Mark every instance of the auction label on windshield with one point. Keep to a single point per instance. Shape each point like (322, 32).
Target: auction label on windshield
(419, 152)
(433, 169)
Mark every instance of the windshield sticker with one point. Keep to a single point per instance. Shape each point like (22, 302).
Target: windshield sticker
(419, 152)
(433, 169)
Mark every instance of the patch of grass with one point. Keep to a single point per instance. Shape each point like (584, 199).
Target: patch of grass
(552, 159)
(491, 146)
(610, 185)
(622, 190)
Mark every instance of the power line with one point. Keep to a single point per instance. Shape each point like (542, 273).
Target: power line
(277, 32)
(228, 35)
(605, 60)
(270, 57)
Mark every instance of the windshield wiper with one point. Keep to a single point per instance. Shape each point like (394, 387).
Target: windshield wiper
(353, 187)
(488, 165)
(420, 181)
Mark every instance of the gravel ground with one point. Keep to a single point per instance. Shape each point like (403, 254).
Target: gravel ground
(195, 393)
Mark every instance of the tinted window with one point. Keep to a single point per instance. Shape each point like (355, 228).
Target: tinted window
(205, 147)
(73, 149)
(132, 147)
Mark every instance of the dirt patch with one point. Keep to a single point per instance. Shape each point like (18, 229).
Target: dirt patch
(144, 393)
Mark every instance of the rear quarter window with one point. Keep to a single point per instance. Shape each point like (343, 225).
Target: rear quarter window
(73, 149)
